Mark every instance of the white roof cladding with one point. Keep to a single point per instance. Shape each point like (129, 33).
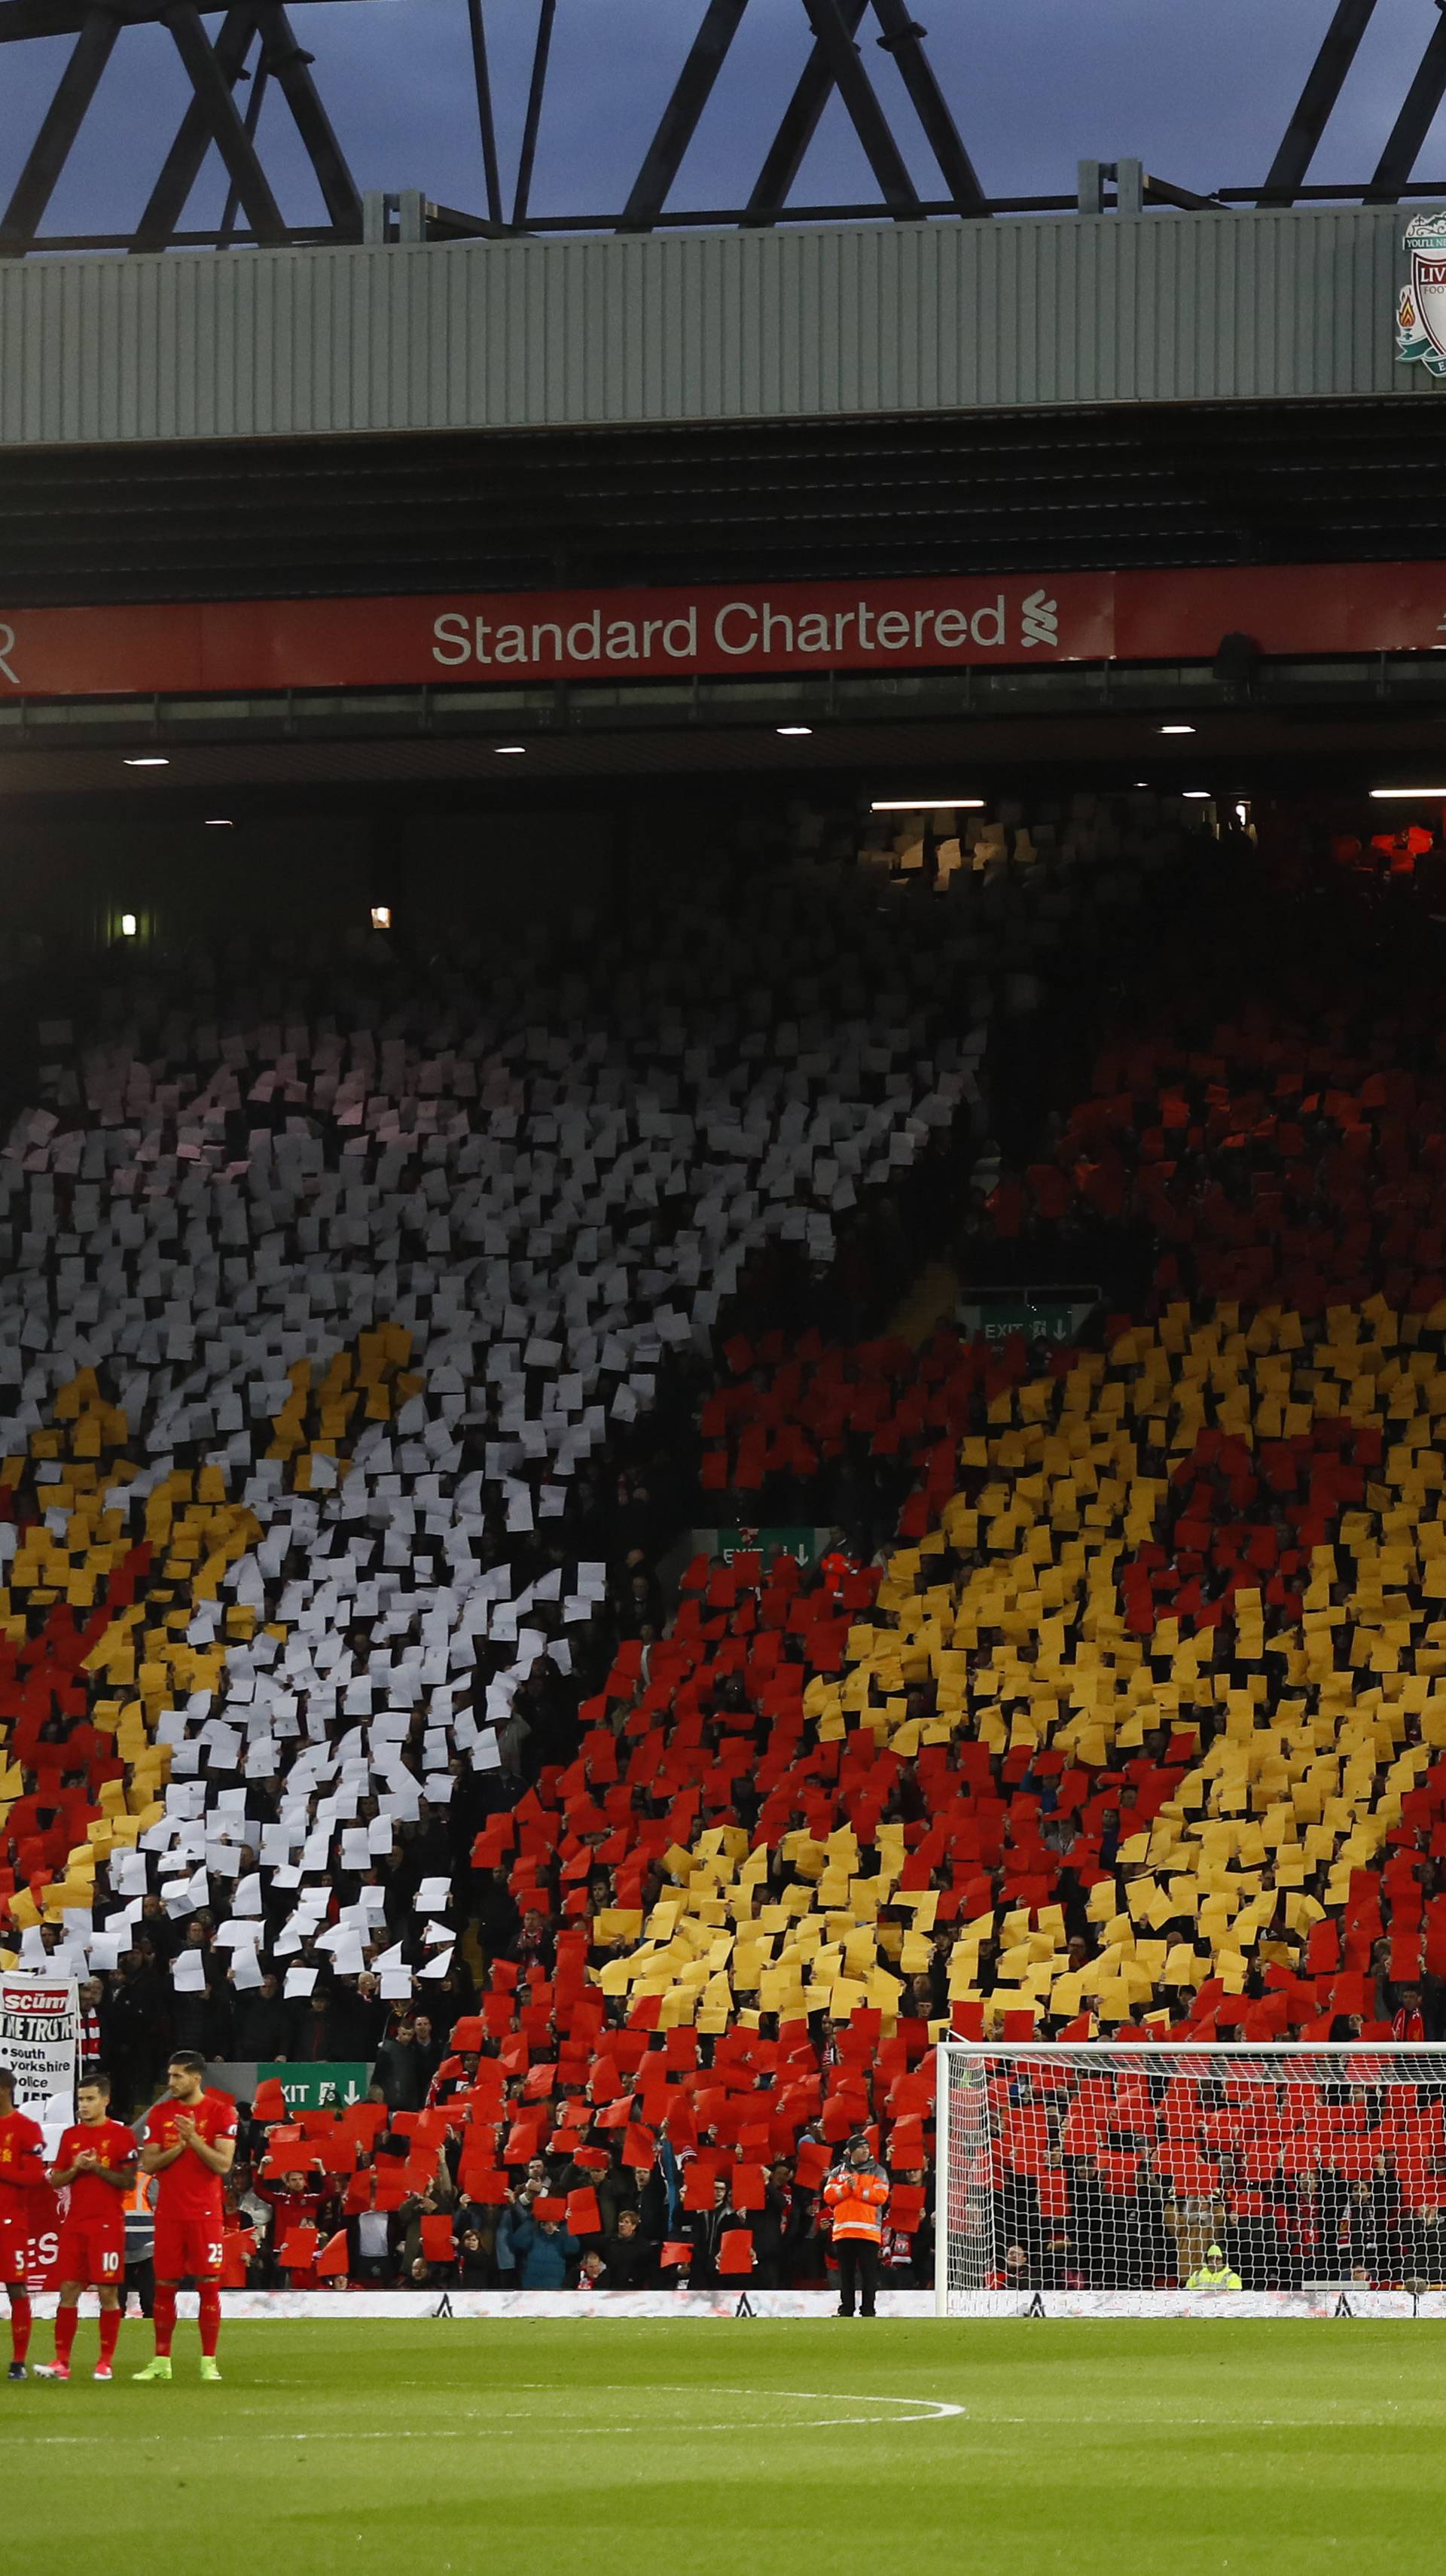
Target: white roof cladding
(673, 328)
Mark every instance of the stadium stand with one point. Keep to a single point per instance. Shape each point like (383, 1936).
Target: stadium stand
(330, 1322)
(328, 1651)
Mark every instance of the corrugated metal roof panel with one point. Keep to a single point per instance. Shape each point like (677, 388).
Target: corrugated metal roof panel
(714, 327)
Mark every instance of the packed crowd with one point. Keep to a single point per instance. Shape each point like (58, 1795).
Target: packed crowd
(389, 2199)
(344, 1720)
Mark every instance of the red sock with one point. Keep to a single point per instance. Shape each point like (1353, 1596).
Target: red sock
(19, 2325)
(110, 2322)
(210, 2301)
(164, 2318)
(66, 2321)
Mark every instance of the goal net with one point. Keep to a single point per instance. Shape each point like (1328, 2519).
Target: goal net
(1131, 2180)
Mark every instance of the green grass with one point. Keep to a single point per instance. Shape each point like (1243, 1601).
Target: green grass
(668, 2449)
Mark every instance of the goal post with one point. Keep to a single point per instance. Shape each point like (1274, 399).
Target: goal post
(1131, 2179)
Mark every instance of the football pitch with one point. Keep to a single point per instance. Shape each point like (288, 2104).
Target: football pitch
(672, 2448)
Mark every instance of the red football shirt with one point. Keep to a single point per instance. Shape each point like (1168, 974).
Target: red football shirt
(22, 2165)
(188, 2188)
(111, 2143)
(293, 2208)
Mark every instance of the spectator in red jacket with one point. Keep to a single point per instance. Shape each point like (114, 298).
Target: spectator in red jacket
(297, 2200)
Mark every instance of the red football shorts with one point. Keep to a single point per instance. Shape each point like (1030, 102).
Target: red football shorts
(92, 2252)
(188, 2249)
(14, 2250)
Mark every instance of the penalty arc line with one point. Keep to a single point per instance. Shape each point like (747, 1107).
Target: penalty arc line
(938, 2407)
(939, 2410)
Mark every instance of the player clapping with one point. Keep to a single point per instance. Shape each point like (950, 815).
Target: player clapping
(190, 2144)
(96, 2163)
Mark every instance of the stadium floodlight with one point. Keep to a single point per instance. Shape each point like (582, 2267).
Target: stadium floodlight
(927, 805)
(1149, 2180)
(1383, 794)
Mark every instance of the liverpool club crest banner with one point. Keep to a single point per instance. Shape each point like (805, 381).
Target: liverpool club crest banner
(1421, 312)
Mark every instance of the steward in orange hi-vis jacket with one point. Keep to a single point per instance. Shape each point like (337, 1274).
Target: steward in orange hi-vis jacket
(854, 2195)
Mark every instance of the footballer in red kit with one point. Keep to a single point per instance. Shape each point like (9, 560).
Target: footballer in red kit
(190, 2144)
(22, 2172)
(95, 2165)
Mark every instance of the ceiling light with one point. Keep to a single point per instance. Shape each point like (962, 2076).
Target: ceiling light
(128, 925)
(1174, 728)
(146, 760)
(1196, 795)
(505, 750)
(381, 916)
(927, 804)
(1380, 793)
(793, 728)
(218, 823)
(1142, 782)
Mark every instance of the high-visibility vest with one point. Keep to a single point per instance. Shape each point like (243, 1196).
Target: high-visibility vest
(856, 2203)
(1205, 2279)
(140, 2218)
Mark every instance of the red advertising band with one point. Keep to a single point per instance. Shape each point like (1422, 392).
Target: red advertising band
(781, 629)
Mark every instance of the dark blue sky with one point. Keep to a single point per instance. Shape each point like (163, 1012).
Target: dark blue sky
(1198, 89)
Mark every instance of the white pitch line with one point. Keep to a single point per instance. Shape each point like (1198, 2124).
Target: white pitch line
(1344, 2423)
(938, 2407)
(498, 2421)
(577, 2432)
